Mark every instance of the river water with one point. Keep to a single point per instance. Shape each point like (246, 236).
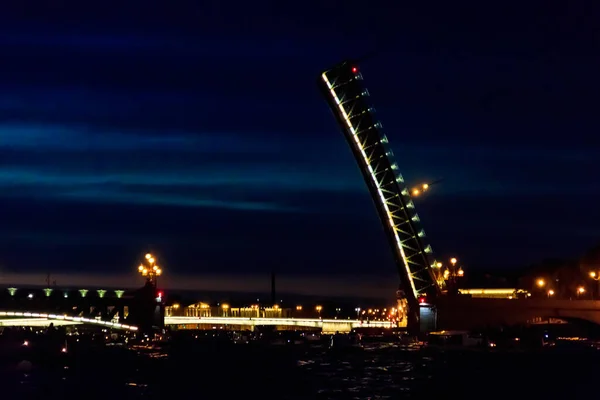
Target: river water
(383, 371)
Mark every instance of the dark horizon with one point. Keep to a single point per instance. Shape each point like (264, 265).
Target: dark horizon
(206, 140)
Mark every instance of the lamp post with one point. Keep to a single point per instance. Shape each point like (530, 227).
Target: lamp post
(150, 269)
(422, 188)
(417, 191)
(319, 308)
(596, 276)
(450, 274)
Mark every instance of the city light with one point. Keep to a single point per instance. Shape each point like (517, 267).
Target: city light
(449, 273)
(319, 308)
(298, 308)
(541, 283)
(595, 276)
(149, 268)
(550, 293)
(418, 190)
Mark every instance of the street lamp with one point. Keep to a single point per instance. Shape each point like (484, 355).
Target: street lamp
(422, 188)
(550, 293)
(417, 191)
(596, 276)
(540, 283)
(580, 291)
(150, 269)
(451, 273)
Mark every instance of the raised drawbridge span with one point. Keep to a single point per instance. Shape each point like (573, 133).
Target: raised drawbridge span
(347, 97)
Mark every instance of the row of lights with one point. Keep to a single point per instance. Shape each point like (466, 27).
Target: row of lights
(83, 292)
(541, 283)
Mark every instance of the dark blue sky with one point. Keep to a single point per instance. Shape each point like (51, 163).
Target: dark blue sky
(199, 133)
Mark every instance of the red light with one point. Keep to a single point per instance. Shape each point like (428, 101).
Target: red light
(421, 299)
(159, 294)
(354, 69)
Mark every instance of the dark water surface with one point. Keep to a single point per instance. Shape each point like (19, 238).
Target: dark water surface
(294, 372)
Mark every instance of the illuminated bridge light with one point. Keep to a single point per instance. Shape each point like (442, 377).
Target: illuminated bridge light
(299, 322)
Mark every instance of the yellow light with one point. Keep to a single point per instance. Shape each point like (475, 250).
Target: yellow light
(158, 272)
(425, 186)
(298, 308)
(541, 282)
(461, 272)
(318, 308)
(155, 267)
(581, 289)
(439, 265)
(453, 261)
(592, 274)
(550, 292)
(148, 256)
(151, 260)
(416, 192)
(225, 306)
(176, 306)
(141, 268)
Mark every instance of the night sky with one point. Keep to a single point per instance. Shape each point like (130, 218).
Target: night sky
(199, 133)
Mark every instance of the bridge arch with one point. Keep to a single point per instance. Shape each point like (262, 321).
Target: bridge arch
(12, 315)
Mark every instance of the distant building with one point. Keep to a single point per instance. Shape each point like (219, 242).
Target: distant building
(199, 310)
(508, 293)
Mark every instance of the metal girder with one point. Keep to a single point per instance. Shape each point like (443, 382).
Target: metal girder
(343, 87)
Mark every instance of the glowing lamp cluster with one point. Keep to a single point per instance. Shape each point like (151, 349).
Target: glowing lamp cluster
(149, 268)
(419, 190)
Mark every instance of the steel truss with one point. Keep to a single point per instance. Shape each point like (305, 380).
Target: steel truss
(347, 97)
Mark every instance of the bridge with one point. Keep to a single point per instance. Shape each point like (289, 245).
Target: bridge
(452, 312)
(348, 100)
(425, 292)
(325, 325)
(421, 280)
(462, 312)
(24, 318)
(115, 309)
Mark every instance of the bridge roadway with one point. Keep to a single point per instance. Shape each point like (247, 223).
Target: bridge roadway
(467, 313)
(18, 318)
(459, 312)
(326, 325)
